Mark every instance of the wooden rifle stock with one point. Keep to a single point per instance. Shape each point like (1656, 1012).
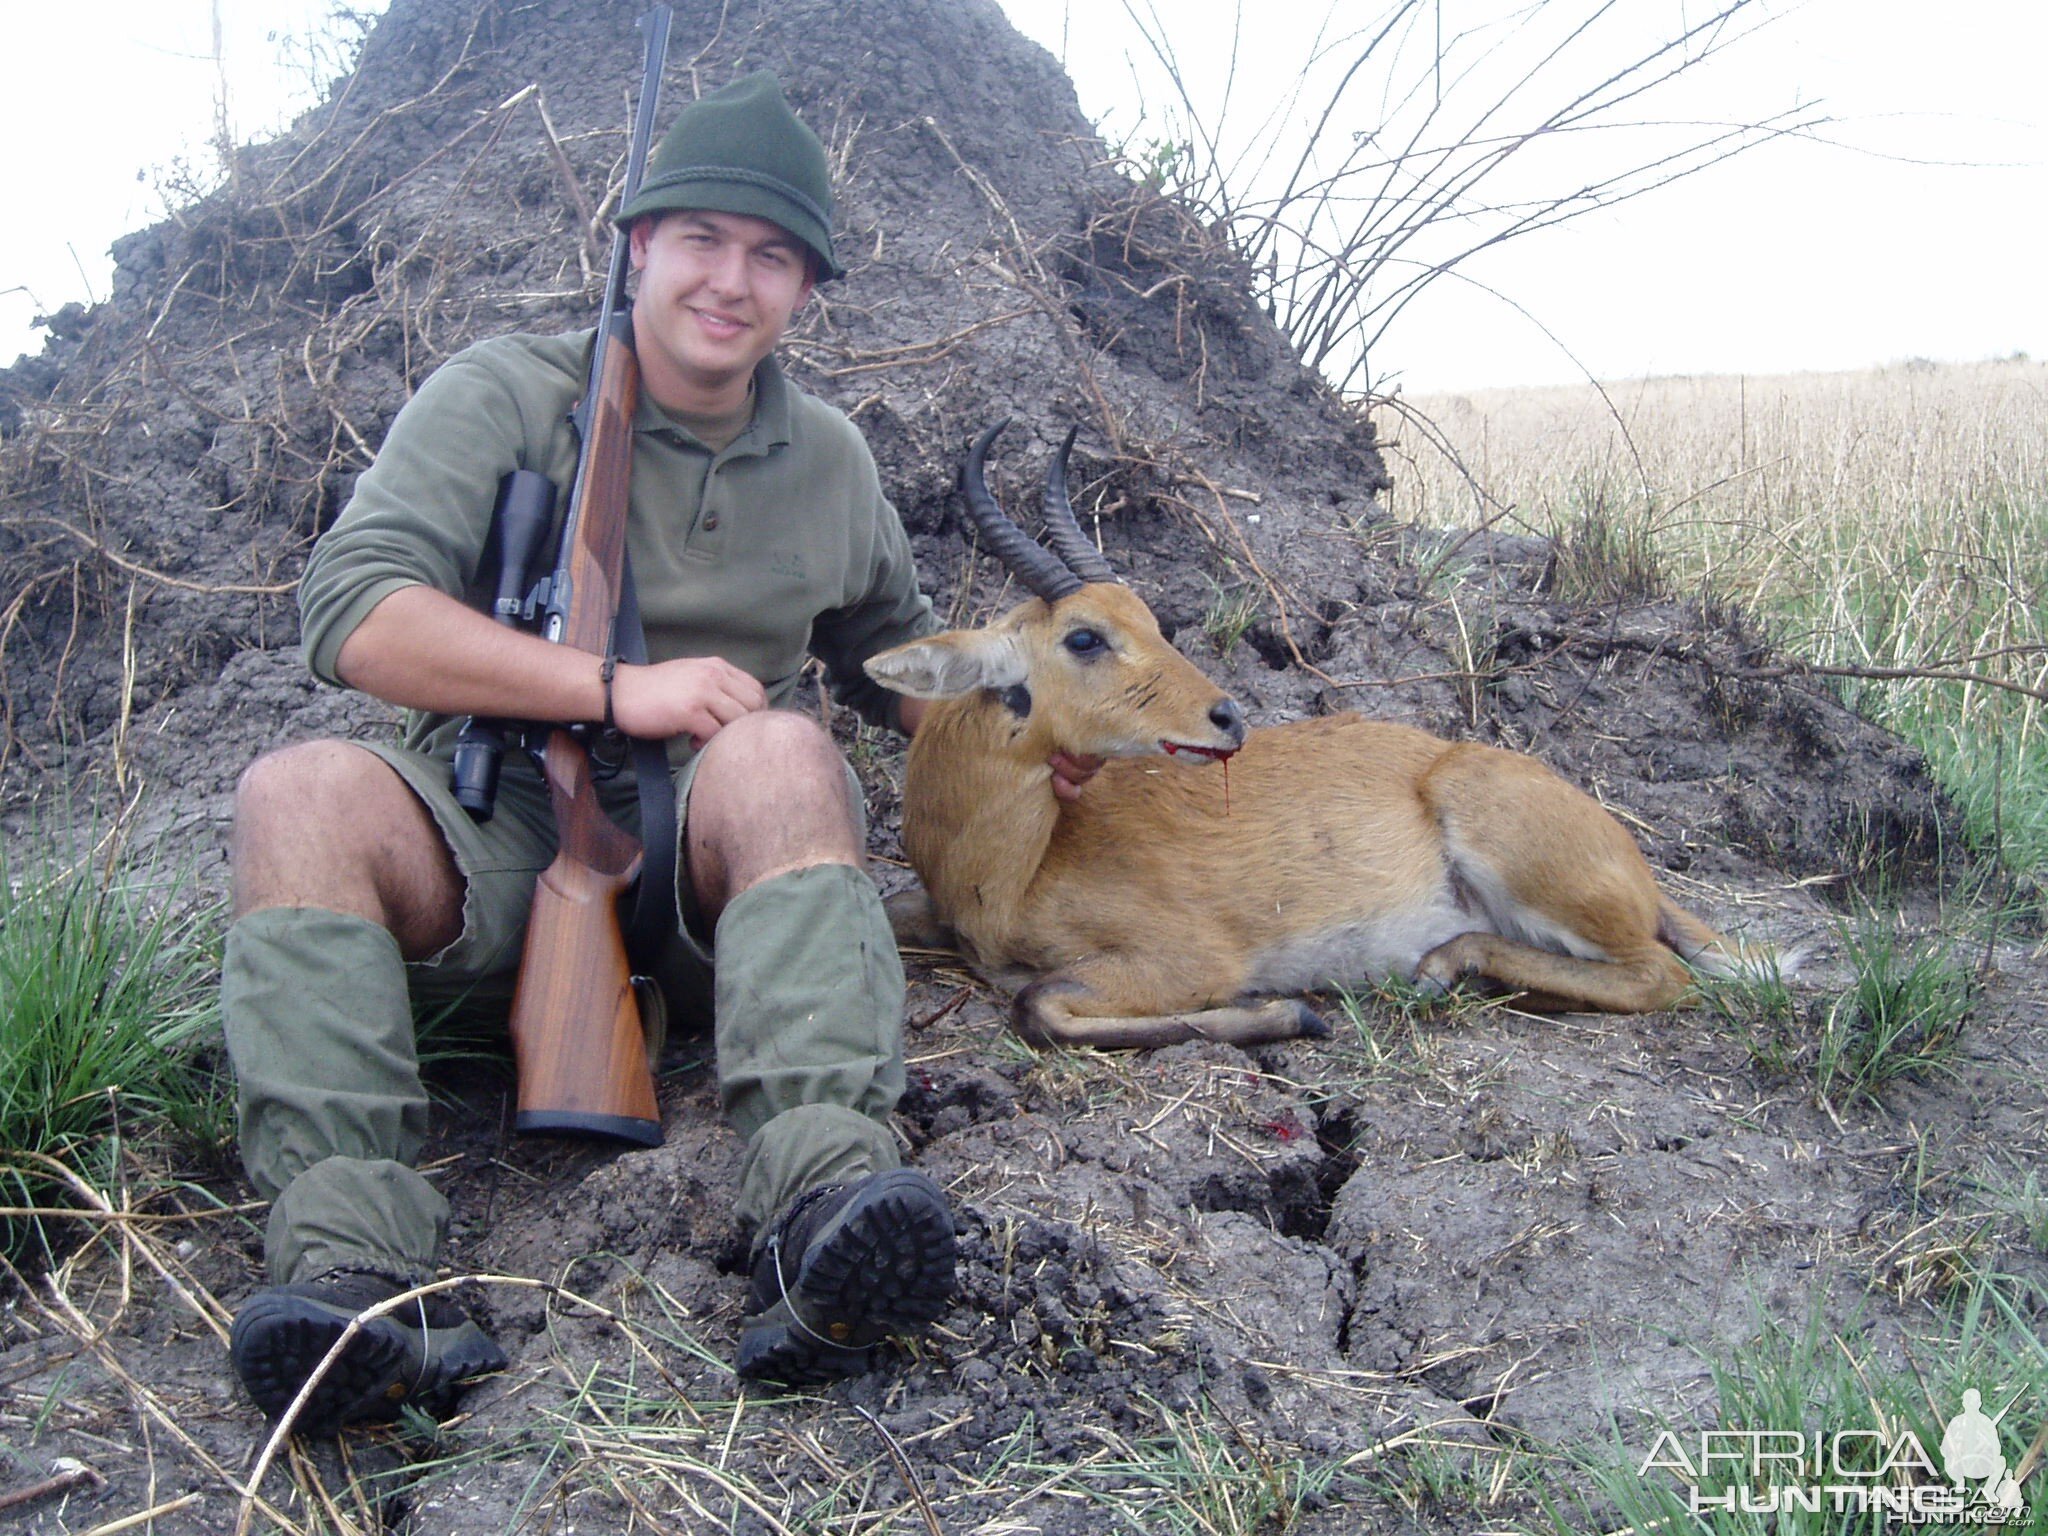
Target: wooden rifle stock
(576, 1028)
(577, 1035)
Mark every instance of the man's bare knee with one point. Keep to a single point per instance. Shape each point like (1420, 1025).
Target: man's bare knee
(770, 795)
(280, 787)
(771, 755)
(329, 824)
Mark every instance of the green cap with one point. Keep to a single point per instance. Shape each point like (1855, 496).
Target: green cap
(741, 150)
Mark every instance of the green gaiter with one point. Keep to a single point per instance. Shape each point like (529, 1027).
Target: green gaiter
(809, 998)
(320, 1032)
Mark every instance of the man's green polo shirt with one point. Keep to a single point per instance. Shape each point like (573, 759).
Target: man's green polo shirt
(779, 545)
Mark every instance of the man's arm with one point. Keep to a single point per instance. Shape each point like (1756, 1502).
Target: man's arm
(382, 595)
(422, 649)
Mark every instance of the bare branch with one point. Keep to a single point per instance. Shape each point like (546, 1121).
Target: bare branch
(1344, 230)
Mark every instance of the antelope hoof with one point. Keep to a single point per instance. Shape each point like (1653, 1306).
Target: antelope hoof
(1034, 1016)
(914, 922)
(1439, 972)
(1310, 1024)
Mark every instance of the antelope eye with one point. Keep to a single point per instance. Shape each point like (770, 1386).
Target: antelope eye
(1084, 642)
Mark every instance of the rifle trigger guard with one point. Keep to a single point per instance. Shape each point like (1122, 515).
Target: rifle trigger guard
(609, 749)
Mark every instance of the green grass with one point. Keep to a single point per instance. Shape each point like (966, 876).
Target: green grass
(1759, 1008)
(1203, 1476)
(2021, 1197)
(107, 1003)
(1810, 1378)
(1375, 1022)
(1230, 616)
(1986, 746)
(1377, 1033)
(1902, 1015)
(1995, 768)
(1609, 545)
(1974, 596)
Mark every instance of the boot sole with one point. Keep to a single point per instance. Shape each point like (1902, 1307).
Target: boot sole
(278, 1341)
(886, 1269)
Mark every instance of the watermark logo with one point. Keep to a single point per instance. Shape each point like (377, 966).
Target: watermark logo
(1852, 1471)
(1972, 1451)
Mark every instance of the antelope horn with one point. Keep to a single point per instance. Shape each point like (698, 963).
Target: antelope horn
(1061, 530)
(1021, 555)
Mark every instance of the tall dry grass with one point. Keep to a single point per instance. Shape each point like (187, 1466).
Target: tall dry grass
(1890, 519)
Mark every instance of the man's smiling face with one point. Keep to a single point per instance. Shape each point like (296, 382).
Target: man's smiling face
(717, 290)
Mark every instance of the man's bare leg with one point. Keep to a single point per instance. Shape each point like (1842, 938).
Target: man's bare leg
(770, 796)
(329, 825)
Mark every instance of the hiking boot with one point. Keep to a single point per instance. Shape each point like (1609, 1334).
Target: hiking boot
(843, 1267)
(414, 1354)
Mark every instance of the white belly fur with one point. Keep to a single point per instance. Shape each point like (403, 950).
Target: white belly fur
(1503, 915)
(1363, 951)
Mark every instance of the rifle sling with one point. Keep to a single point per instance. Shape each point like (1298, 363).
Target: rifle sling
(654, 916)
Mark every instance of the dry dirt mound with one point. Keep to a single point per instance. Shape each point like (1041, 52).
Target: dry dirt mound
(1487, 1228)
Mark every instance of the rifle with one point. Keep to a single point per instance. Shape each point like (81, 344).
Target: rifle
(577, 1035)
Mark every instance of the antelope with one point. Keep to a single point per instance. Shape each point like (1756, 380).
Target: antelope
(1176, 893)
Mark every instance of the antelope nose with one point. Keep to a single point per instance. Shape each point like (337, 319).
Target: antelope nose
(1229, 719)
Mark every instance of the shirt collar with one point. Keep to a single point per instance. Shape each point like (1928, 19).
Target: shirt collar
(771, 406)
(768, 430)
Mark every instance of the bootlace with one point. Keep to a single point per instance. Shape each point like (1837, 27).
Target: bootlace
(796, 1318)
(419, 1304)
(782, 1281)
(420, 1378)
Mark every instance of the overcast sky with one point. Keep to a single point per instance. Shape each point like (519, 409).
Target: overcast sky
(1919, 229)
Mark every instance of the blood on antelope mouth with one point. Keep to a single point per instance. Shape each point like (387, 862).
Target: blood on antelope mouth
(1215, 754)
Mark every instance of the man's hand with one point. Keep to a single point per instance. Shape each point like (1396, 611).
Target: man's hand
(1069, 770)
(694, 696)
(1069, 773)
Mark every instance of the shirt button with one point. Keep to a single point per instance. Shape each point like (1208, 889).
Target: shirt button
(710, 521)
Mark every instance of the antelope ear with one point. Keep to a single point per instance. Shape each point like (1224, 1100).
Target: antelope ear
(946, 666)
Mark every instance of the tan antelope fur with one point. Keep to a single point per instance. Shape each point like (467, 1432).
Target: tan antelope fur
(1176, 892)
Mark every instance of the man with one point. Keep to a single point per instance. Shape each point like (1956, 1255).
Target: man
(758, 532)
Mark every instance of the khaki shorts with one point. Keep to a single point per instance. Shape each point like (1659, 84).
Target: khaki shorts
(501, 859)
